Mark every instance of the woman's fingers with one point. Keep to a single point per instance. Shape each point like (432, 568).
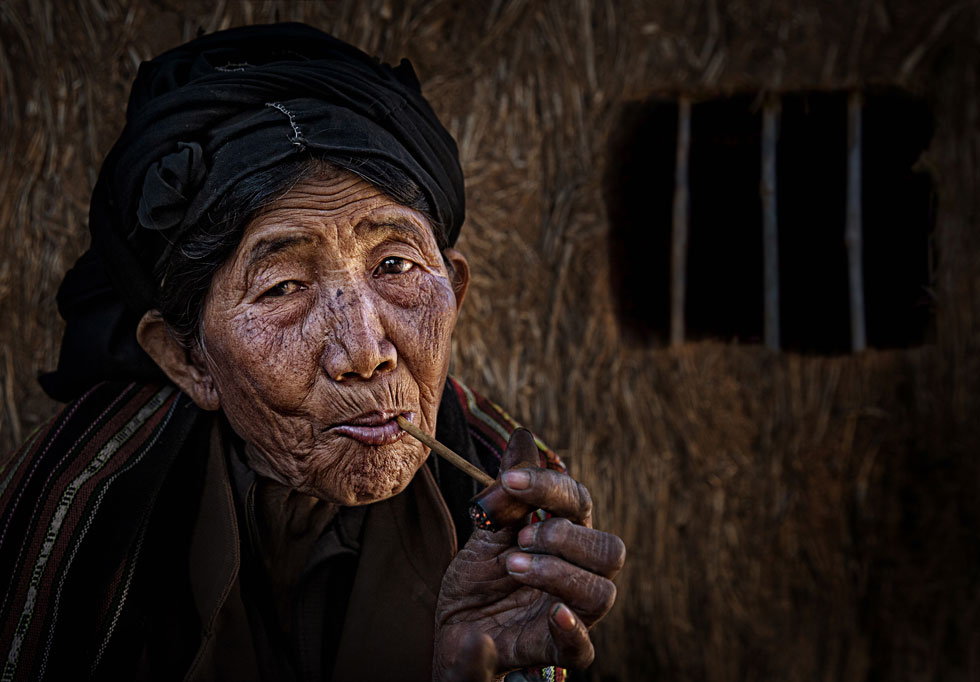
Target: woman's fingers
(552, 491)
(573, 648)
(586, 593)
(593, 550)
(529, 487)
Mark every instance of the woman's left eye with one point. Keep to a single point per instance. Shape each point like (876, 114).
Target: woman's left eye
(393, 265)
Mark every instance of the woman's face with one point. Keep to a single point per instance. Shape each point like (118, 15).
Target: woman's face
(333, 316)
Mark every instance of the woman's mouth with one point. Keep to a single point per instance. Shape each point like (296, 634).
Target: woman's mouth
(373, 428)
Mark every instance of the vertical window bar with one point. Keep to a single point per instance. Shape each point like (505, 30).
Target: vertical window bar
(678, 256)
(770, 236)
(852, 232)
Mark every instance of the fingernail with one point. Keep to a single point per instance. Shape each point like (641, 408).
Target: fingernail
(517, 479)
(526, 537)
(518, 563)
(563, 616)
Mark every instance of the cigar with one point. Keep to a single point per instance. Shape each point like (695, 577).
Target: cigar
(491, 509)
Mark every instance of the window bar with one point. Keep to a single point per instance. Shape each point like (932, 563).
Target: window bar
(852, 232)
(770, 237)
(678, 257)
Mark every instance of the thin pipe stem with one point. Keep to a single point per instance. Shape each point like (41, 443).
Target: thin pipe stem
(444, 452)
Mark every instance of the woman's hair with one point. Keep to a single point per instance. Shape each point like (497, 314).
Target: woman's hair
(185, 277)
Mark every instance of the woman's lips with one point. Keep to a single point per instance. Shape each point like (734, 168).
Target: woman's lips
(373, 428)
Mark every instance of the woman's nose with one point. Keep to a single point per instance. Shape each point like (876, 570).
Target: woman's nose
(357, 346)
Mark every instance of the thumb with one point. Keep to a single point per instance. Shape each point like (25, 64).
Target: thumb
(494, 508)
(521, 451)
(475, 659)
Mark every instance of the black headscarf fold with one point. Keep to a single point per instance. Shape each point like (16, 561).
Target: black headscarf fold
(201, 118)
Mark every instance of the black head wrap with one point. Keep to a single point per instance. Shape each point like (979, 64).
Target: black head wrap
(201, 118)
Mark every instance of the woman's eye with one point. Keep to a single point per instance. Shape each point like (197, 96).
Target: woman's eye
(284, 288)
(393, 265)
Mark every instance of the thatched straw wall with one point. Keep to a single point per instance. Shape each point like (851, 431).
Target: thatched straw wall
(788, 517)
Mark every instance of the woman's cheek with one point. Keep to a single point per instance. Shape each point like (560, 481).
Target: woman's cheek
(425, 301)
(425, 350)
(414, 289)
(267, 355)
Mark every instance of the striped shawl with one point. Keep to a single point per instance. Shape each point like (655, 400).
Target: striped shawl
(102, 496)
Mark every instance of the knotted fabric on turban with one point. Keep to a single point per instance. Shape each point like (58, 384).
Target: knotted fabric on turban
(201, 118)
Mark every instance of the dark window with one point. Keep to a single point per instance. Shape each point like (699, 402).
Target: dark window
(724, 278)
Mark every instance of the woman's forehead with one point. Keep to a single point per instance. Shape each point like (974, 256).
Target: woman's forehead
(341, 197)
(344, 207)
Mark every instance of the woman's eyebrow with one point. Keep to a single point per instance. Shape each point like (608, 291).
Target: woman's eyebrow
(269, 246)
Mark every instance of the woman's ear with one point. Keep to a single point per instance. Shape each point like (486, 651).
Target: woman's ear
(178, 363)
(459, 273)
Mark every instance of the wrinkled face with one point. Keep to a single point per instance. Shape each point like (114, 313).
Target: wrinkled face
(333, 316)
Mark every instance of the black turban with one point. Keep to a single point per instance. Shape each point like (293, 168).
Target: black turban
(201, 118)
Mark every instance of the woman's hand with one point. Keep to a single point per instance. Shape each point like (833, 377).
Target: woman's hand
(527, 597)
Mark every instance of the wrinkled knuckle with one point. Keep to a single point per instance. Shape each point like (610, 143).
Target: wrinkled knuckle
(555, 531)
(597, 600)
(551, 569)
(584, 499)
(562, 525)
(617, 553)
(581, 583)
(607, 597)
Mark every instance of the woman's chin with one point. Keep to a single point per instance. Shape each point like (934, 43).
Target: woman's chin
(367, 474)
(360, 491)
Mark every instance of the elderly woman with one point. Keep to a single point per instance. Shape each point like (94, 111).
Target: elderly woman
(228, 494)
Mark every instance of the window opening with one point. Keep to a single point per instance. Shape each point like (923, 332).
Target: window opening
(739, 148)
